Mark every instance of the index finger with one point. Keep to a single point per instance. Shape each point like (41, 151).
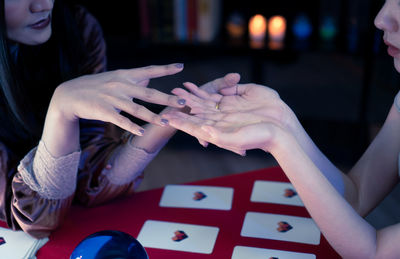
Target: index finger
(189, 124)
(154, 71)
(228, 80)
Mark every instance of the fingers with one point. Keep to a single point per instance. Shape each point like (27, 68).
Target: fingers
(190, 98)
(123, 122)
(237, 89)
(239, 152)
(143, 83)
(140, 112)
(232, 79)
(228, 80)
(200, 129)
(193, 101)
(154, 71)
(187, 123)
(154, 96)
(201, 93)
(203, 143)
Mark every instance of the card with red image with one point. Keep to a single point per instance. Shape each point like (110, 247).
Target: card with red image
(178, 236)
(197, 197)
(280, 227)
(275, 192)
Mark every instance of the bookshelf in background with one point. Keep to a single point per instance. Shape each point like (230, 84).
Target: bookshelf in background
(179, 21)
(204, 21)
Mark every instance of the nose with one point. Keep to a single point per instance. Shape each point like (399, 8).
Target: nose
(38, 6)
(386, 20)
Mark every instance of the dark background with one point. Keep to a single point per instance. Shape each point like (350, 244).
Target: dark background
(341, 96)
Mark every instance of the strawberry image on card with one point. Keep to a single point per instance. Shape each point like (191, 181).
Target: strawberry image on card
(289, 193)
(284, 227)
(198, 196)
(2, 241)
(179, 236)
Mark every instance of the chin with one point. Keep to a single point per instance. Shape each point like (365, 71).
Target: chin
(35, 38)
(40, 39)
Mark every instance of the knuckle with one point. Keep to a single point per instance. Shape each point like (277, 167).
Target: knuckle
(118, 73)
(112, 85)
(155, 118)
(151, 67)
(172, 99)
(149, 93)
(135, 109)
(122, 121)
(275, 93)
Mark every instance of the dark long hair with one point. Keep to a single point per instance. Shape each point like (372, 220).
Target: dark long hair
(27, 83)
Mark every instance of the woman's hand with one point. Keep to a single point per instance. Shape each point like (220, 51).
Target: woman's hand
(237, 118)
(211, 89)
(103, 96)
(156, 137)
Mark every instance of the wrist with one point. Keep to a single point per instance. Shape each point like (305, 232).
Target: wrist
(60, 108)
(281, 144)
(276, 139)
(289, 120)
(60, 133)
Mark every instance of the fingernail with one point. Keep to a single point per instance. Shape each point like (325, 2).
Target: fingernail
(179, 65)
(141, 131)
(181, 101)
(164, 121)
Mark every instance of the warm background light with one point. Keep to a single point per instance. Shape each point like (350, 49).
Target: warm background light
(277, 28)
(257, 27)
(236, 26)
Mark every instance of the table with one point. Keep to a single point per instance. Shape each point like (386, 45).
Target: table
(129, 214)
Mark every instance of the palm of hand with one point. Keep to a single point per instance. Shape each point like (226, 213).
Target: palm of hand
(255, 104)
(244, 121)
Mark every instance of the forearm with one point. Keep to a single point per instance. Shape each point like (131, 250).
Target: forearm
(154, 138)
(337, 220)
(131, 159)
(330, 171)
(51, 168)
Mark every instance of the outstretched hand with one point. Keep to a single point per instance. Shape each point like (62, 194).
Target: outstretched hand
(103, 96)
(210, 90)
(237, 118)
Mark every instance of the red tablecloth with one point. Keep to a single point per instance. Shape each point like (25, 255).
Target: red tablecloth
(128, 215)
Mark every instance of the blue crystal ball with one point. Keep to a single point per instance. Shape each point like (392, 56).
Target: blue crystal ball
(109, 244)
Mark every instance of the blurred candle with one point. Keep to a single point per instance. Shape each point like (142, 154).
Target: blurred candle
(257, 30)
(276, 31)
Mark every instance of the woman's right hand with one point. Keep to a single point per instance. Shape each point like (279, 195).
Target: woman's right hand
(103, 96)
(241, 117)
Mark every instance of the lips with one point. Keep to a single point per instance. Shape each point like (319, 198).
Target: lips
(41, 24)
(392, 50)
